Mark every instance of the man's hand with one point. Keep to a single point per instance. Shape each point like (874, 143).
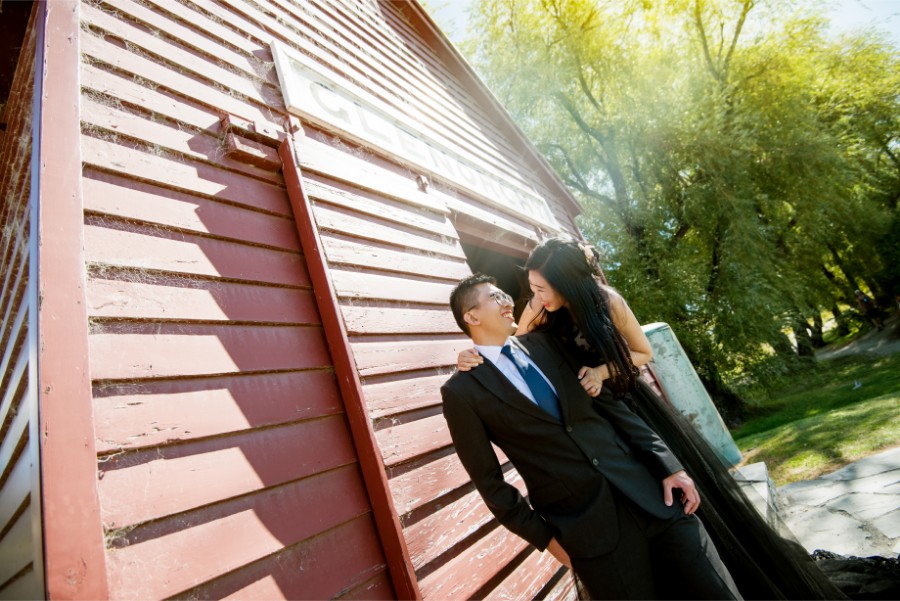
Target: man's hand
(689, 495)
(559, 553)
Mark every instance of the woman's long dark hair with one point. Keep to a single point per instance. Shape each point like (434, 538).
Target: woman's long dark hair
(572, 269)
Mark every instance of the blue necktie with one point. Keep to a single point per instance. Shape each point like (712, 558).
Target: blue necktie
(540, 389)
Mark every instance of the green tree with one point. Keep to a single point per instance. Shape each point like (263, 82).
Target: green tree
(718, 152)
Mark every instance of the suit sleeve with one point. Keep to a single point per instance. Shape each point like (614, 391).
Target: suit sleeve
(473, 446)
(640, 437)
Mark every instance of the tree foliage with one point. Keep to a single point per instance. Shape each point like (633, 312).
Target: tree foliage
(738, 167)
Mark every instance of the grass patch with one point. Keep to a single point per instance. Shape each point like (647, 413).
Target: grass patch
(822, 420)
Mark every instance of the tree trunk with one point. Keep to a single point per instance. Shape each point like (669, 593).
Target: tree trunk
(840, 318)
(818, 340)
(801, 335)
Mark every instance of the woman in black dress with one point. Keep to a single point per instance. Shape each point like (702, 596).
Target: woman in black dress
(600, 331)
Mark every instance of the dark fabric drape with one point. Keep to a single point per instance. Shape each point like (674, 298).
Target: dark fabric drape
(765, 561)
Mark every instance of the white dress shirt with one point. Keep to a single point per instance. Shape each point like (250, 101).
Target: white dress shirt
(508, 368)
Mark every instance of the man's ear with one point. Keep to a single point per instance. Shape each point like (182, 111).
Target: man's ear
(471, 319)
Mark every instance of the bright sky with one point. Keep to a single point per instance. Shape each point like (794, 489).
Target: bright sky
(845, 15)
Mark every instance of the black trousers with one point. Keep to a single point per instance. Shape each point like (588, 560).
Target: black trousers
(656, 559)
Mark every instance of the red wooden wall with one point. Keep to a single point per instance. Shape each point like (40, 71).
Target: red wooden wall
(226, 464)
(394, 254)
(21, 566)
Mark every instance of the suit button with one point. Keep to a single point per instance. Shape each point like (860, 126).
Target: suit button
(568, 428)
(594, 461)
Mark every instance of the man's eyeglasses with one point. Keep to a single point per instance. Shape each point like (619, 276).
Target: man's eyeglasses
(498, 296)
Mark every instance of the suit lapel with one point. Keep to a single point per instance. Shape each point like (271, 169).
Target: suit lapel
(490, 376)
(549, 364)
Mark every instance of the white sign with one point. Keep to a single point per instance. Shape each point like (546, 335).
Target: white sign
(309, 94)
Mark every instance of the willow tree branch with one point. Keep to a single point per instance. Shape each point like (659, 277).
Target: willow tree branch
(748, 4)
(698, 19)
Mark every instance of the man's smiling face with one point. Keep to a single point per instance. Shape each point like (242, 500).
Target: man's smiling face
(491, 318)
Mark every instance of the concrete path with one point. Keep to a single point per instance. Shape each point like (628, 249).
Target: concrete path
(853, 511)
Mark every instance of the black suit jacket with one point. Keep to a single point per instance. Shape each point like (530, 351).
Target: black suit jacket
(567, 467)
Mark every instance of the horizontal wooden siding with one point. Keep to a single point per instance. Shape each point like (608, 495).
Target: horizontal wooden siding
(226, 465)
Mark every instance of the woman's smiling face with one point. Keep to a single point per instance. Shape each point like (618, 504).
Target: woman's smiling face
(549, 298)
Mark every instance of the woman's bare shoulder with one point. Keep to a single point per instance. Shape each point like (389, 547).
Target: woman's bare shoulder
(617, 303)
(614, 296)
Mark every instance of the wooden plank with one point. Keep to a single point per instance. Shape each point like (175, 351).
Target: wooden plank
(366, 173)
(12, 299)
(379, 587)
(154, 413)
(168, 350)
(26, 586)
(528, 579)
(324, 190)
(98, 115)
(386, 520)
(346, 222)
(10, 404)
(100, 51)
(383, 356)
(504, 223)
(144, 486)
(391, 35)
(109, 194)
(431, 58)
(410, 440)
(563, 589)
(11, 336)
(74, 562)
(434, 479)
(12, 559)
(235, 21)
(394, 319)
(186, 299)
(347, 251)
(359, 285)
(447, 528)
(186, 175)
(323, 567)
(211, 27)
(9, 250)
(480, 563)
(244, 150)
(162, 560)
(428, 94)
(192, 255)
(15, 424)
(548, 185)
(185, 62)
(16, 487)
(160, 102)
(245, 62)
(387, 396)
(423, 100)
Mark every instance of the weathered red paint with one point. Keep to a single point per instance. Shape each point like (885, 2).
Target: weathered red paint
(150, 559)
(118, 196)
(399, 564)
(74, 551)
(148, 414)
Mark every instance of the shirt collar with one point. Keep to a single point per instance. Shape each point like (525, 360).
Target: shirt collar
(489, 351)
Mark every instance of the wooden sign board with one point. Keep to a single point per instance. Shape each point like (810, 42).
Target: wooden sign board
(317, 96)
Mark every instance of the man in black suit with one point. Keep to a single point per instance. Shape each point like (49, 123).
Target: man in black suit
(601, 484)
